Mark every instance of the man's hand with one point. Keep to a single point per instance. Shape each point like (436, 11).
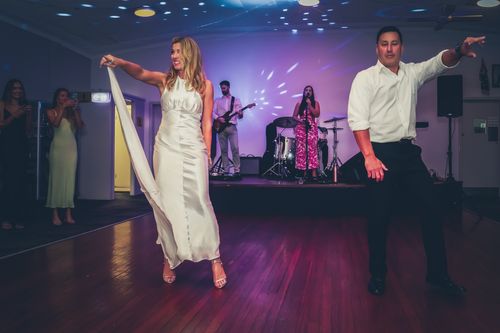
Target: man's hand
(375, 168)
(466, 47)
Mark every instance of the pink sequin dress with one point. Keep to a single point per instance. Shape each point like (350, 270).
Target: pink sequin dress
(300, 142)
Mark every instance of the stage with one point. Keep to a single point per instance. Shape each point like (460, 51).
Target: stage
(258, 194)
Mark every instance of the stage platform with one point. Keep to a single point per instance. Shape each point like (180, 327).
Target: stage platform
(254, 193)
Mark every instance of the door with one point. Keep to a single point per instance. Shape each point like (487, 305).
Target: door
(138, 112)
(480, 149)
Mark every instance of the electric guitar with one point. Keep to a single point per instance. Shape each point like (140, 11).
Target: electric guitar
(220, 126)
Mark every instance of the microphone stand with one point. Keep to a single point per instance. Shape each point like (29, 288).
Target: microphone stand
(306, 124)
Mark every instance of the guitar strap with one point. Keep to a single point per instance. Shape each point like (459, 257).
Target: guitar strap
(232, 105)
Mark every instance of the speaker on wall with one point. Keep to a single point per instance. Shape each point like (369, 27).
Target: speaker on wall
(450, 96)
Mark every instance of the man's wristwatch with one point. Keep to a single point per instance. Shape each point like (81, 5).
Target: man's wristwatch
(458, 50)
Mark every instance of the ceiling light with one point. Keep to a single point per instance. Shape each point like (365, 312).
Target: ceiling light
(320, 29)
(185, 8)
(144, 12)
(418, 10)
(310, 23)
(114, 16)
(122, 7)
(201, 4)
(488, 3)
(163, 3)
(308, 2)
(294, 31)
(344, 3)
(63, 14)
(168, 12)
(87, 5)
(344, 27)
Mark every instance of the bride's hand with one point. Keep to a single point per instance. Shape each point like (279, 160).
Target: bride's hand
(109, 61)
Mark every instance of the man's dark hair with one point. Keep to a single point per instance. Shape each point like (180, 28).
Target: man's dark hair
(389, 28)
(224, 83)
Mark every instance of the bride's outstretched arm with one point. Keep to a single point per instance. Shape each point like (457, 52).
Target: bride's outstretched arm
(206, 120)
(136, 71)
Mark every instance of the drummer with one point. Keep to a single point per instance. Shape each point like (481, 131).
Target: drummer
(306, 113)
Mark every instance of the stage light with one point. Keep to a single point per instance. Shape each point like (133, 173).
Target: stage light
(308, 3)
(101, 97)
(488, 3)
(144, 12)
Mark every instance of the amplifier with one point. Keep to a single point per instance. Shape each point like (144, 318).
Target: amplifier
(250, 165)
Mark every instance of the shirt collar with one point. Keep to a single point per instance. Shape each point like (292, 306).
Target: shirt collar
(380, 67)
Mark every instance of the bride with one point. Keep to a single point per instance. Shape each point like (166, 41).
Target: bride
(187, 226)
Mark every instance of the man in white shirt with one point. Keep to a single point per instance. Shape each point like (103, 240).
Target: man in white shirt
(229, 133)
(381, 114)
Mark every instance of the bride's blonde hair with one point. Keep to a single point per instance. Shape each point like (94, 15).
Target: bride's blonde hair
(193, 65)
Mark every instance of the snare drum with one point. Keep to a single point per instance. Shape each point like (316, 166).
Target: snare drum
(285, 148)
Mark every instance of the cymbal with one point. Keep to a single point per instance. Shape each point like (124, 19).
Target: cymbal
(335, 118)
(285, 122)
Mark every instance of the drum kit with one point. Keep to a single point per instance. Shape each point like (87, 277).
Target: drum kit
(284, 152)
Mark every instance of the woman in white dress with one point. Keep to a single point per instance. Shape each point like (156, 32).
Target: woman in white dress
(181, 158)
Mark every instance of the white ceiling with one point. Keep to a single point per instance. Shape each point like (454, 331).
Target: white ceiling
(90, 31)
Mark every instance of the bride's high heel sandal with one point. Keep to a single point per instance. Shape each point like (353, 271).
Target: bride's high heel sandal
(222, 280)
(168, 273)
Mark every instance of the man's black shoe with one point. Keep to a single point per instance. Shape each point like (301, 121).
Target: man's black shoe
(376, 286)
(446, 285)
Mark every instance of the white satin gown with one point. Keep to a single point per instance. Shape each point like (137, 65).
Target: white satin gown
(181, 171)
(185, 219)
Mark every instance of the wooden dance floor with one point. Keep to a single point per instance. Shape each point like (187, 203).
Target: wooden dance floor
(287, 273)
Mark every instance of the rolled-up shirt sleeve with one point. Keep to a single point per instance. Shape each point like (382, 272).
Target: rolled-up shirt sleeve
(358, 110)
(429, 69)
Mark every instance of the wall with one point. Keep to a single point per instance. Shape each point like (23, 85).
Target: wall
(256, 64)
(40, 64)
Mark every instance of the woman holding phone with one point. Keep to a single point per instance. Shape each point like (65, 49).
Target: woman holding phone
(66, 120)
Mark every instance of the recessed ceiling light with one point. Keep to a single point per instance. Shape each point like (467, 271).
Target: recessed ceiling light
(87, 5)
(305, 19)
(344, 27)
(122, 7)
(309, 23)
(168, 12)
(163, 3)
(201, 4)
(285, 10)
(320, 29)
(144, 12)
(306, 13)
(294, 31)
(63, 14)
(488, 3)
(330, 10)
(324, 20)
(344, 3)
(324, 15)
(282, 18)
(418, 10)
(331, 23)
(286, 23)
(308, 2)
(185, 8)
(114, 16)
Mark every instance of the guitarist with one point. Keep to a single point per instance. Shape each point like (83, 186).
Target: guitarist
(222, 105)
